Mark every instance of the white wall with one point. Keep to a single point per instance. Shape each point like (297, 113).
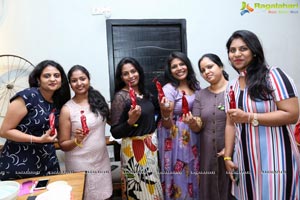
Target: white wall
(66, 31)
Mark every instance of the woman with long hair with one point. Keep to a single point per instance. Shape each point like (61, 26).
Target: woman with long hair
(260, 151)
(178, 144)
(133, 112)
(82, 135)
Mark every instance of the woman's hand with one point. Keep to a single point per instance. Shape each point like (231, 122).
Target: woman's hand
(230, 168)
(239, 116)
(134, 114)
(166, 107)
(79, 135)
(47, 137)
(189, 118)
(221, 153)
(195, 123)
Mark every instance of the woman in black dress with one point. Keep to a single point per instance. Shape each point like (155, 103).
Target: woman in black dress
(29, 150)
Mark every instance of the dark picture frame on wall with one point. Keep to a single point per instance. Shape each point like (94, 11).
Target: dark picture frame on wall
(149, 41)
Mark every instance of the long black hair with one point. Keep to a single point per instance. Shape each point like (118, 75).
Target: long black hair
(60, 96)
(119, 83)
(257, 71)
(192, 81)
(215, 59)
(97, 102)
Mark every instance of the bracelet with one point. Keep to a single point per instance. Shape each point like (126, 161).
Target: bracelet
(30, 139)
(135, 125)
(227, 158)
(77, 144)
(249, 117)
(199, 122)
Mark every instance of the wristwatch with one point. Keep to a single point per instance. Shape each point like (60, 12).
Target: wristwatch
(255, 122)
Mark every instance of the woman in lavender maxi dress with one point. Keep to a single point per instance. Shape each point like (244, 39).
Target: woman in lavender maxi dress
(178, 145)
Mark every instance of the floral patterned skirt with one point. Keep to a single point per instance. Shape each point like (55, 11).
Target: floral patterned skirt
(140, 172)
(179, 161)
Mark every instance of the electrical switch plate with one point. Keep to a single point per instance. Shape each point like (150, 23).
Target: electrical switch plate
(101, 11)
(98, 11)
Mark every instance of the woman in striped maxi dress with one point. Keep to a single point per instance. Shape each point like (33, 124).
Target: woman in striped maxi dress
(260, 146)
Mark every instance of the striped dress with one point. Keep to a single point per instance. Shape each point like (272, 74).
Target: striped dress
(267, 157)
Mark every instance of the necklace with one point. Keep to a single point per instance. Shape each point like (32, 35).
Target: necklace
(136, 94)
(139, 95)
(243, 73)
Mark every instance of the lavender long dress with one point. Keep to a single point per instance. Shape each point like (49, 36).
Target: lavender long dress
(178, 153)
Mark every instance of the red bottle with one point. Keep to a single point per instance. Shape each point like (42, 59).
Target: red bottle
(232, 104)
(85, 128)
(160, 91)
(132, 96)
(185, 104)
(52, 122)
(297, 133)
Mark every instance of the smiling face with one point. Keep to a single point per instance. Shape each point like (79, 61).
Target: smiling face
(178, 69)
(130, 75)
(239, 54)
(79, 82)
(210, 71)
(50, 79)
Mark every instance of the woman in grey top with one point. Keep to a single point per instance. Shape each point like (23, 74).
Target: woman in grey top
(209, 118)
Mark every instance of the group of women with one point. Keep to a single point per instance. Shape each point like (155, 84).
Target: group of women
(231, 140)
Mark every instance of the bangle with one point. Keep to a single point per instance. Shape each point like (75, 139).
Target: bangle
(134, 125)
(227, 158)
(199, 122)
(30, 139)
(249, 117)
(77, 144)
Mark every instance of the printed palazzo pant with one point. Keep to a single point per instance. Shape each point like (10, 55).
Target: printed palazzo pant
(140, 172)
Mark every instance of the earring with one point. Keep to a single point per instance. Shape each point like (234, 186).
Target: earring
(254, 55)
